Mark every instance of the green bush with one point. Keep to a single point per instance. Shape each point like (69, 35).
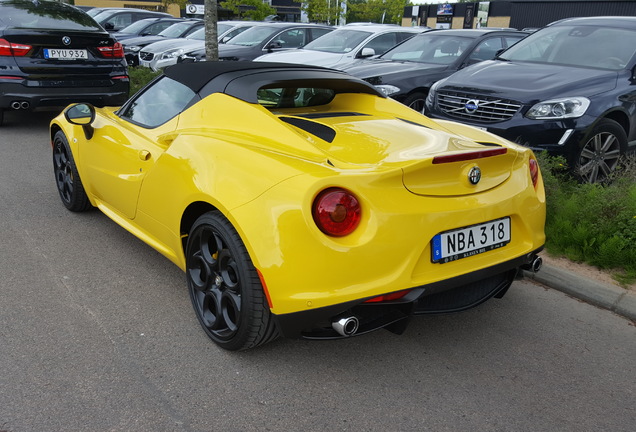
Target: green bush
(592, 223)
(139, 77)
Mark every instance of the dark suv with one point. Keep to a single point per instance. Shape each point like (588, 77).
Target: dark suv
(569, 88)
(116, 19)
(52, 54)
(407, 71)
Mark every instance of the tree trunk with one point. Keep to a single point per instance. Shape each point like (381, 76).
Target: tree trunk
(211, 17)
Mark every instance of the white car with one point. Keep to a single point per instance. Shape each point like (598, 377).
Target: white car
(164, 53)
(345, 44)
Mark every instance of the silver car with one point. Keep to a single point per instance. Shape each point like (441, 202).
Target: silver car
(164, 53)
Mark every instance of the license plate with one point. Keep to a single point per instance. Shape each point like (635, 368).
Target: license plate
(468, 241)
(144, 63)
(65, 54)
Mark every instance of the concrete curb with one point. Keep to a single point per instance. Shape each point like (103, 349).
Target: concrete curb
(611, 297)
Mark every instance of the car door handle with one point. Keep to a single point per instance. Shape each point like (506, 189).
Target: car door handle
(144, 155)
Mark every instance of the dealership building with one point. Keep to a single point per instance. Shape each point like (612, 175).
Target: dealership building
(517, 14)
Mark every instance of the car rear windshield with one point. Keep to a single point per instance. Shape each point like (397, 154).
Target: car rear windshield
(294, 97)
(46, 15)
(584, 46)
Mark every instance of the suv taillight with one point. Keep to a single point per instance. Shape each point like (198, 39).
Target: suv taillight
(336, 212)
(8, 49)
(115, 51)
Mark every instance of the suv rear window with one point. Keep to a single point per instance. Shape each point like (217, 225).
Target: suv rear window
(46, 15)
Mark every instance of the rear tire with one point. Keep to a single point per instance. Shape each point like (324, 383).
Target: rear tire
(224, 286)
(1, 116)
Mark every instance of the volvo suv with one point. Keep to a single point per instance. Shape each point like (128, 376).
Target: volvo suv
(568, 88)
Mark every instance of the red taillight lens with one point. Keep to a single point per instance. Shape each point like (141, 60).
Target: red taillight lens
(388, 297)
(461, 157)
(534, 171)
(9, 49)
(336, 212)
(115, 51)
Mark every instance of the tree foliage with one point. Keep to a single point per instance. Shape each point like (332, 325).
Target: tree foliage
(256, 10)
(376, 11)
(323, 11)
(181, 3)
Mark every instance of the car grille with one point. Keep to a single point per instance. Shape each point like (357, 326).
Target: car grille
(146, 56)
(488, 109)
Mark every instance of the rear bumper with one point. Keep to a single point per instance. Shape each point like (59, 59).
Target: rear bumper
(451, 295)
(38, 96)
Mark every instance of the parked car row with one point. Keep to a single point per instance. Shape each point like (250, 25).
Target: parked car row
(566, 88)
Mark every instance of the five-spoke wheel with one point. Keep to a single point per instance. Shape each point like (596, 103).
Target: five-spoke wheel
(67, 178)
(224, 286)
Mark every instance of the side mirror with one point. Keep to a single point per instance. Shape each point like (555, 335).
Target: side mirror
(273, 46)
(83, 115)
(367, 52)
(109, 26)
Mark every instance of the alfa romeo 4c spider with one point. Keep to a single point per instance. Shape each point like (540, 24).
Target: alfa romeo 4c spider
(299, 201)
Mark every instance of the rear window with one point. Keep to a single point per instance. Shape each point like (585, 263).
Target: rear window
(294, 97)
(45, 15)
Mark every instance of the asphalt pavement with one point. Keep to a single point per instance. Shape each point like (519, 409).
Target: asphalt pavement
(607, 296)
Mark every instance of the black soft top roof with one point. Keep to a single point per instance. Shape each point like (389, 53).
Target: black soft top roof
(242, 79)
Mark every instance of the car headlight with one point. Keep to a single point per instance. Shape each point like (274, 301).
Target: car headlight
(430, 97)
(559, 109)
(387, 90)
(173, 53)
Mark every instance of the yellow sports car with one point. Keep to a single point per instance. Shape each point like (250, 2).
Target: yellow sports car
(302, 202)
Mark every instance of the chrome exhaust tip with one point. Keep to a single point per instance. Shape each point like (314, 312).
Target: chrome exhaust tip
(536, 264)
(346, 326)
(15, 105)
(25, 105)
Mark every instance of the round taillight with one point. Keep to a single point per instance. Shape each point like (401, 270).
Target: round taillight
(336, 212)
(534, 171)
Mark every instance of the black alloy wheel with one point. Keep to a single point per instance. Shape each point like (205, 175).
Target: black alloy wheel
(67, 178)
(224, 286)
(600, 154)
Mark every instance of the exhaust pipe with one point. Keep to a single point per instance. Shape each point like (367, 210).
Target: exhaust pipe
(346, 326)
(536, 264)
(16, 105)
